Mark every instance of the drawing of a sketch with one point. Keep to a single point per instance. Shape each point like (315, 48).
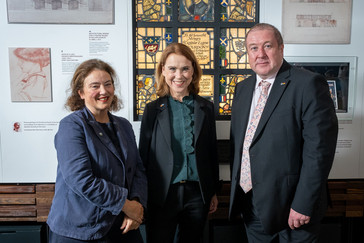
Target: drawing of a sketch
(61, 11)
(30, 78)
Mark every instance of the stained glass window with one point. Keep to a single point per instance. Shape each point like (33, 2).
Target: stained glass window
(232, 50)
(214, 30)
(238, 11)
(154, 10)
(150, 45)
(201, 41)
(196, 10)
(226, 91)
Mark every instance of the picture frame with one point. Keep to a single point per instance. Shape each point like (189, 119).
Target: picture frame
(60, 12)
(340, 72)
(316, 21)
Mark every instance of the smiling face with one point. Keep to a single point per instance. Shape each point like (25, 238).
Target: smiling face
(265, 54)
(98, 93)
(178, 73)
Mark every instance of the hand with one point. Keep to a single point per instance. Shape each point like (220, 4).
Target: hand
(129, 224)
(296, 220)
(213, 204)
(134, 210)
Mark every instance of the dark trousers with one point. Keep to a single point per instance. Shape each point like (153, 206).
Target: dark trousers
(256, 234)
(184, 208)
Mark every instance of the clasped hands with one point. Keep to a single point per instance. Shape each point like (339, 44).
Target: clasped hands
(134, 212)
(296, 219)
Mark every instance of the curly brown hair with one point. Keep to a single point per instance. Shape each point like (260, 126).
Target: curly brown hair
(179, 49)
(74, 101)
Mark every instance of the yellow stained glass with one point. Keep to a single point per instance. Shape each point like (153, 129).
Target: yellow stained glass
(238, 10)
(154, 10)
(201, 41)
(150, 43)
(227, 85)
(145, 91)
(207, 86)
(233, 53)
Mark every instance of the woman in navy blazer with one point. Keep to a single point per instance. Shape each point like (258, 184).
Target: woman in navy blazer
(101, 185)
(178, 147)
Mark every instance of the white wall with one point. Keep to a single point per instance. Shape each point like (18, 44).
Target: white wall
(30, 156)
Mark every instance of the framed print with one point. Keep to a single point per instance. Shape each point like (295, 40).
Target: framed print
(30, 74)
(60, 11)
(316, 21)
(340, 73)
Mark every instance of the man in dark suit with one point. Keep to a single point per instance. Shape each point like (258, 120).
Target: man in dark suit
(291, 149)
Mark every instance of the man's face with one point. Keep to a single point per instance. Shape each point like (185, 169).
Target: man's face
(265, 55)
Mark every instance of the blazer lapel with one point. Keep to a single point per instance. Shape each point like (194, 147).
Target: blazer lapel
(103, 136)
(163, 119)
(199, 116)
(122, 142)
(280, 84)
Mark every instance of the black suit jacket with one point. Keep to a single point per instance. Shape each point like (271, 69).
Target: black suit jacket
(156, 150)
(292, 150)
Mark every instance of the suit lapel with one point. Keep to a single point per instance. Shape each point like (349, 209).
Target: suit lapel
(242, 107)
(280, 84)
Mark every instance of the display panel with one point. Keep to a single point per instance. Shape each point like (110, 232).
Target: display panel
(340, 73)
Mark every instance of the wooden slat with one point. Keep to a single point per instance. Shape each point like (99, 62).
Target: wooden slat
(18, 211)
(17, 189)
(17, 199)
(18, 219)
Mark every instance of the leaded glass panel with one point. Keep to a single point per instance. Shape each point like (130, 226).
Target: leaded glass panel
(145, 91)
(201, 41)
(214, 30)
(196, 10)
(154, 10)
(150, 43)
(232, 51)
(227, 85)
(207, 87)
(238, 10)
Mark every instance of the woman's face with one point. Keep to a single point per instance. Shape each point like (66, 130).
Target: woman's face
(98, 92)
(178, 73)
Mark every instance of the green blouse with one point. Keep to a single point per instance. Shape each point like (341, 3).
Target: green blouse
(181, 115)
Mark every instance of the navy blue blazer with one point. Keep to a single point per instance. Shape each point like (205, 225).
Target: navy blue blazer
(93, 179)
(292, 150)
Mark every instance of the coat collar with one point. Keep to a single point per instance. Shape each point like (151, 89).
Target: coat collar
(104, 138)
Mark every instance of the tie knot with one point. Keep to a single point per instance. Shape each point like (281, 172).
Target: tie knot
(265, 86)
